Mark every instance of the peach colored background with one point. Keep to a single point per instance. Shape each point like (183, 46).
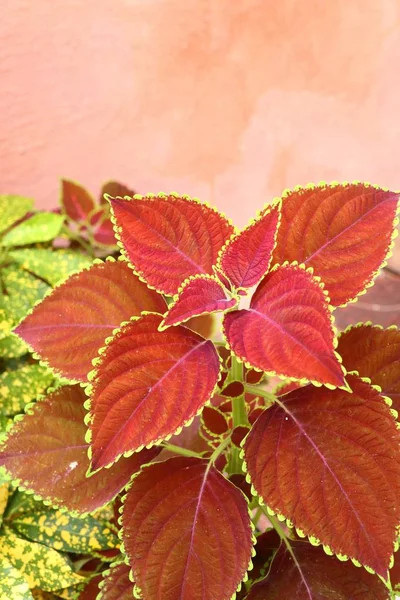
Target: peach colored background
(231, 100)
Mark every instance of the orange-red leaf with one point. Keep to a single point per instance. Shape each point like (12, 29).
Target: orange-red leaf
(287, 330)
(46, 451)
(186, 531)
(116, 584)
(169, 238)
(247, 256)
(342, 231)
(199, 295)
(69, 326)
(76, 200)
(375, 353)
(147, 385)
(312, 575)
(328, 461)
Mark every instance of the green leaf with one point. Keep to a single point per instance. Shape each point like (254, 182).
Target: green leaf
(42, 227)
(19, 387)
(12, 346)
(4, 493)
(51, 265)
(12, 583)
(41, 566)
(12, 209)
(65, 533)
(22, 503)
(21, 291)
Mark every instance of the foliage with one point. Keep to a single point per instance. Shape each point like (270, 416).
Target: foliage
(175, 418)
(46, 552)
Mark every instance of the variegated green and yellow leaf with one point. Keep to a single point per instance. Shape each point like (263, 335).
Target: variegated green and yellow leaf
(21, 291)
(41, 566)
(66, 533)
(12, 209)
(12, 347)
(21, 386)
(13, 585)
(53, 266)
(4, 493)
(41, 227)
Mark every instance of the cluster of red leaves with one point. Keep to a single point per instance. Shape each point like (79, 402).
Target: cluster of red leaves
(321, 453)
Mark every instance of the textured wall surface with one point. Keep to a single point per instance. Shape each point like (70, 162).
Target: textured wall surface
(232, 101)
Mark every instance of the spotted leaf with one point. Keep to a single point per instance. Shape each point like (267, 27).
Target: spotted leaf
(338, 229)
(48, 446)
(76, 201)
(69, 326)
(186, 531)
(375, 353)
(247, 256)
(51, 265)
(41, 566)
(41, 227)
(321, 458)
(147, 386)
(15, 303)
(12, 209)
(307, 573)
(169, 238)
(116, 584)
(287, 330)
(12, 582)
(21, 386)
(65, 533)
(199, 295)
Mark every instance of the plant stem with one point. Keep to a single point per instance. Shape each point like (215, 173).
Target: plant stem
(239, 414)
(258, 391)
(180, 451)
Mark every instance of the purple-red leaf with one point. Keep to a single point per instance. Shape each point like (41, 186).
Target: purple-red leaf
(247, 256)
(47, 453)
(116, 584)
(69, 326)
(287, 330)
(214, 421)
(312, 575)
(328, 461)
(147, 385)
(169, 238)
(343, 231)
(114, 188)
(199, 295)
(76, 200)
(375, 353)
(186, 531)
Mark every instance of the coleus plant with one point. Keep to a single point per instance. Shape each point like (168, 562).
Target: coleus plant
(221, 470)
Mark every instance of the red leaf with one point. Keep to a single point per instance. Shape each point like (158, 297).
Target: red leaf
(114, 188)
(322, 458)
(102, 227)
(76, 200)
(375, 353)
(234, 389)
(198, 295)
(238, 434)
(338, 230)
(186, 531)
(214, 421)
(247, 256)
(69, 326)
(46, 451)
(253, 377)
(147, 386)
(91, 590)
(395, 572)
(170, 238)
(287, 330)
(116, 584)
(315, 576)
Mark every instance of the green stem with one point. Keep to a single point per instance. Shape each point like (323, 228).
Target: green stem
(257, 515)
(258, 391)
(181, 451)
(239, 414)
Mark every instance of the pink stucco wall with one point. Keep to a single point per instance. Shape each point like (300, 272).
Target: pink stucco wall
(229, 100)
